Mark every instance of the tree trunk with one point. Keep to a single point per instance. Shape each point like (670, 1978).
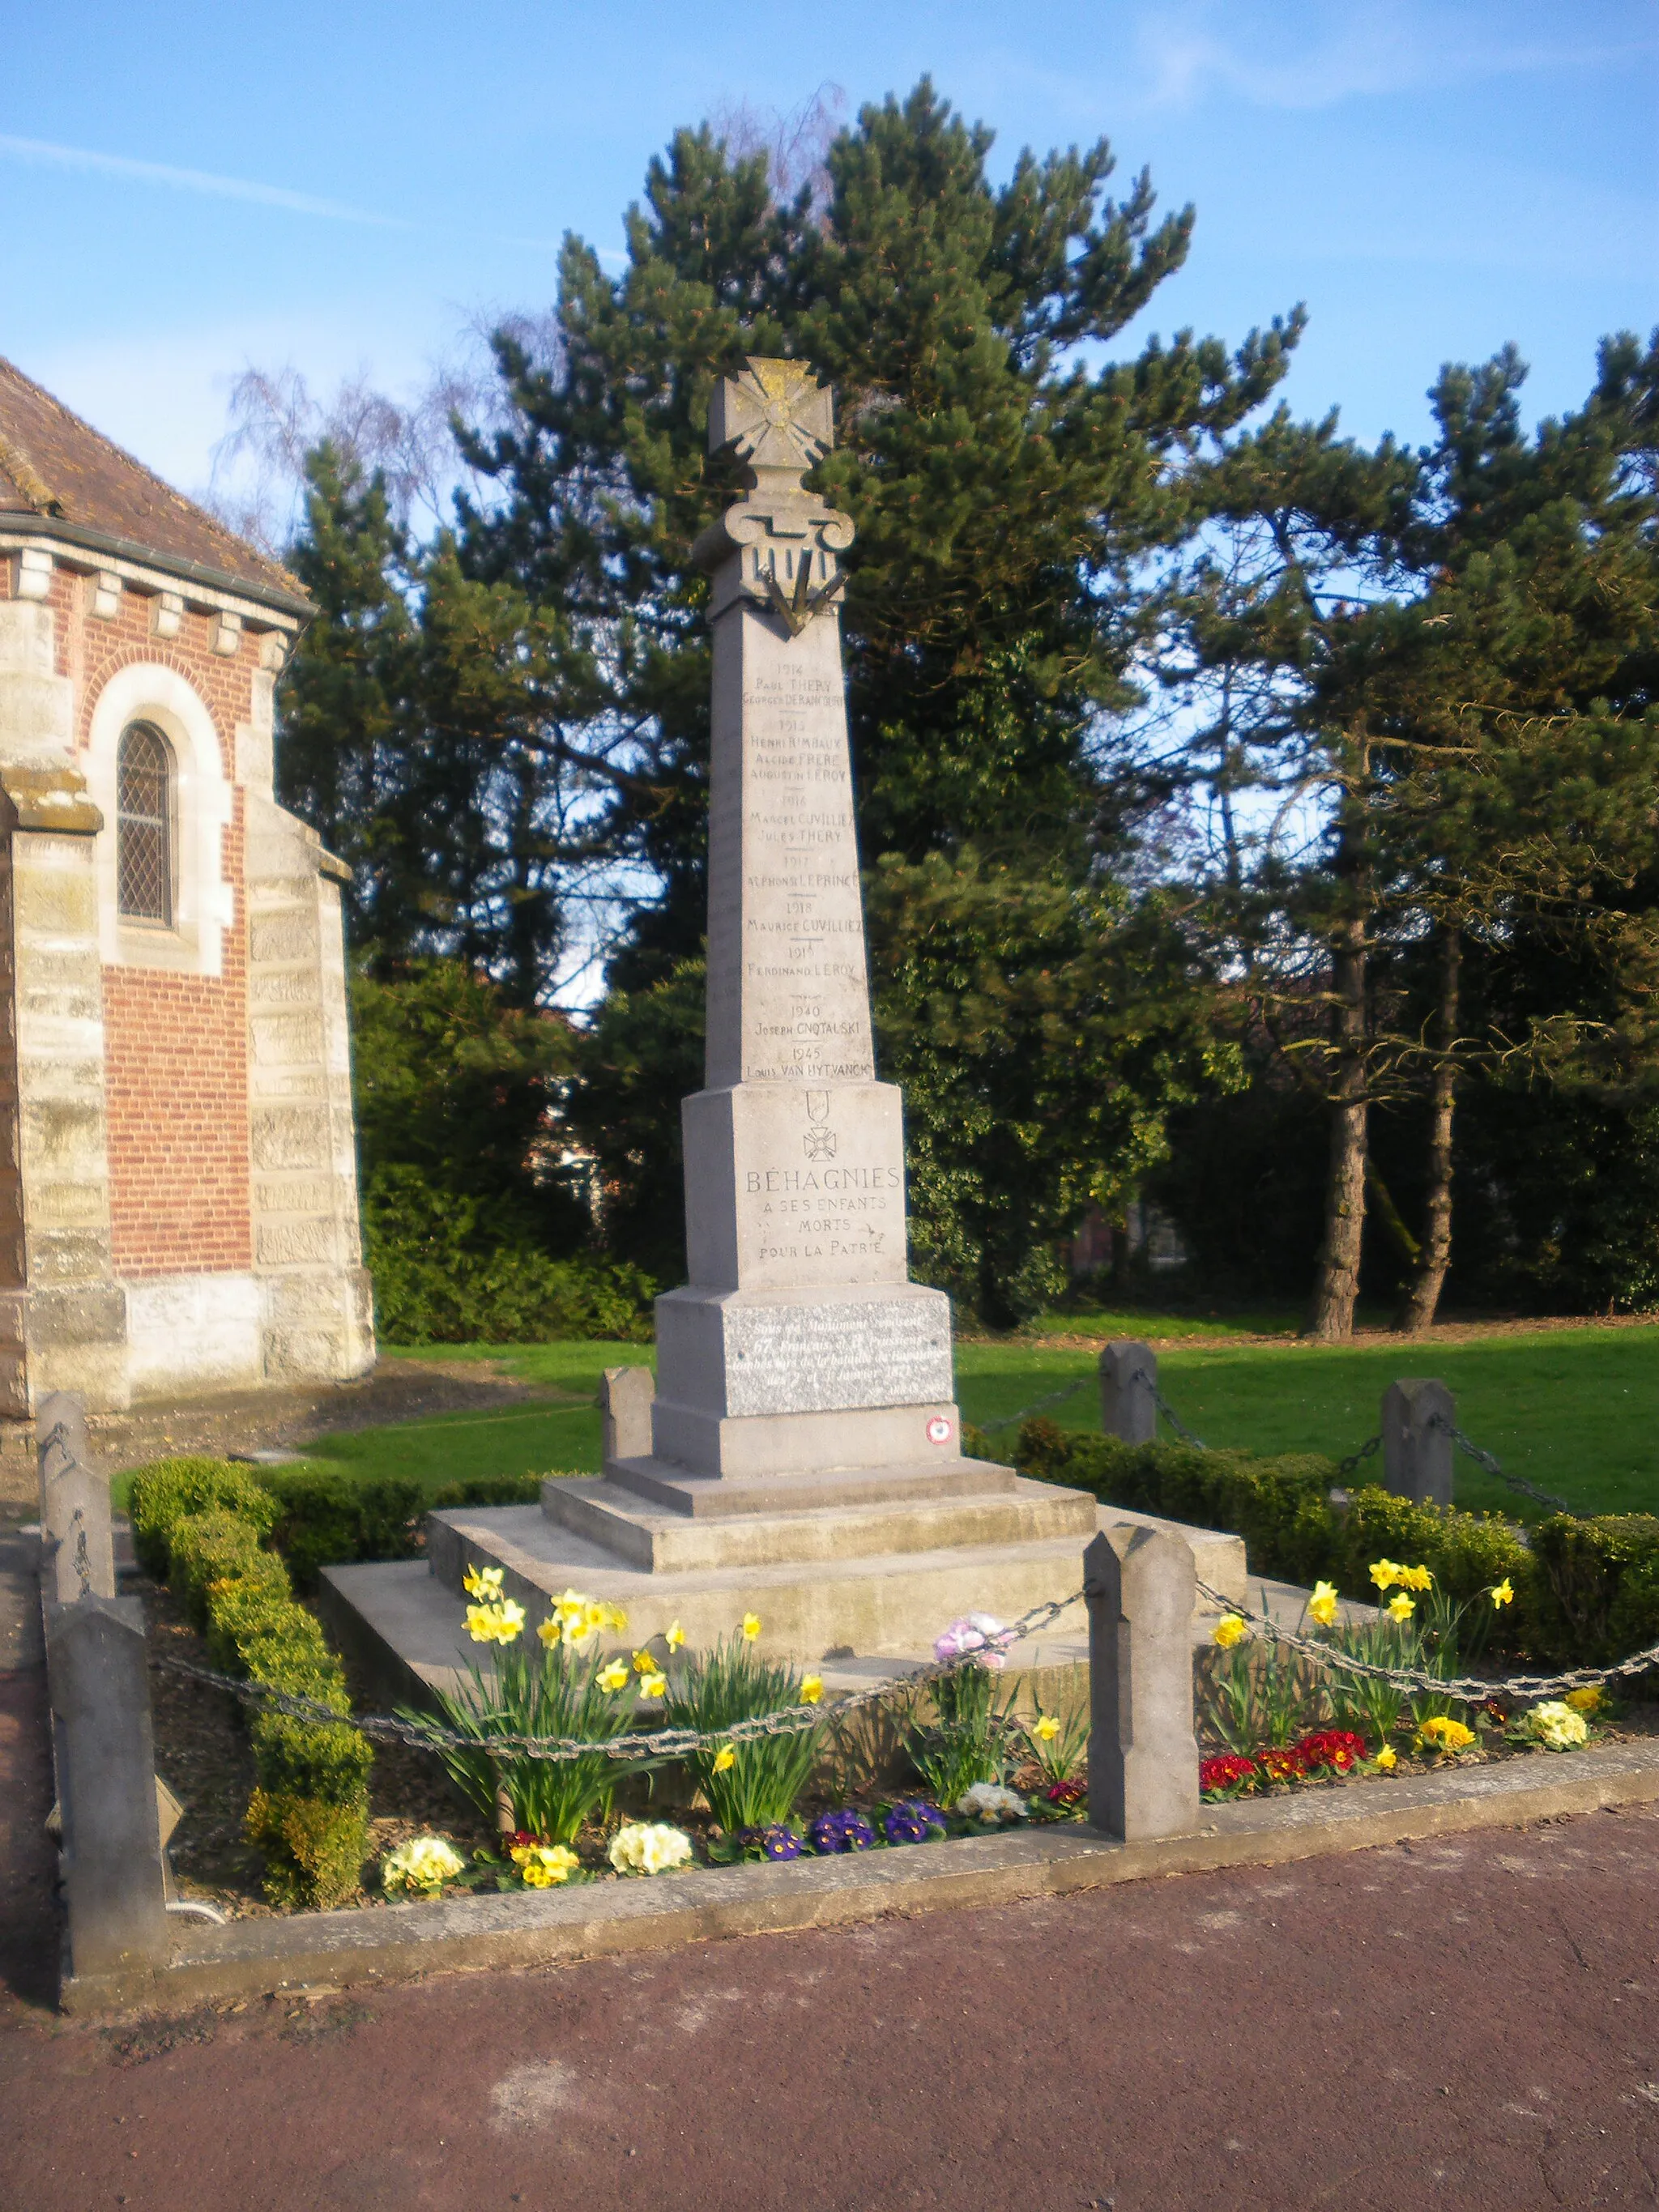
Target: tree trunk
(1429, 1276)
(1330, 1318)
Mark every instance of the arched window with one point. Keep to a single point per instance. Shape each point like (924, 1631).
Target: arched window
(143, 826)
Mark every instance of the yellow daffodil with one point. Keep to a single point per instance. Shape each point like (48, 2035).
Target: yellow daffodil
(1504, 1594)
(812, 1689)
(644, 1663)
(653, 1685)
(1385, 1574)
(725, 1759)
(673, 1635)
(1417, 1578)
(1322, 1603)
(1046, 1728)
(482, 1581)
(495, 1624)
(549, 1631)
(751, 1627)
(1400, 1606)
(1230, 1629)
(615, 1619)
(580, 1619)
(1387, 1759)
(616, 1676)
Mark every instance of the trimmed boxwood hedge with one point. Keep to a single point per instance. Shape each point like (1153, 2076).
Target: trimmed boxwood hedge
(203, 1523)
(1586, 1592)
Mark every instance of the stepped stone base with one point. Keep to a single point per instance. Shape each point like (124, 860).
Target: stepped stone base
(856, 1618)
(706, 1496)
(664, 1540)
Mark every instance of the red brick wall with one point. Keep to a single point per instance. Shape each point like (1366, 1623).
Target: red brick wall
(175, 1047)
(175, 1068)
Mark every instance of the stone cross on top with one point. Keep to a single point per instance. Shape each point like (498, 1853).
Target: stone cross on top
(776, 414)
(780, 420)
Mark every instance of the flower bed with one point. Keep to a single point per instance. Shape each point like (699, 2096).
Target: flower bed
(1281, 1719)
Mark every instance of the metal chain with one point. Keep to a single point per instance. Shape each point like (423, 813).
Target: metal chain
(662, 1743)
(1467, 1689)
(1169, 1412)
(1037, 1405)
(1486, 1458)
(1367, 1450)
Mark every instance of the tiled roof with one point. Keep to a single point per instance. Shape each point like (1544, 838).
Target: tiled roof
(57, 467)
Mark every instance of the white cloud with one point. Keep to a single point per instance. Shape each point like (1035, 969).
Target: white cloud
(1377, 50)
(42, 151)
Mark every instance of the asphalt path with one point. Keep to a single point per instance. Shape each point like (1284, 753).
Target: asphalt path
(1469, 2022)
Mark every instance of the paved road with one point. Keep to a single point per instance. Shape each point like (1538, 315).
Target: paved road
(1470, 2023)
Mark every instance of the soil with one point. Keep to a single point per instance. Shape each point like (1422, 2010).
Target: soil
(204, 1755)
(1444, 1332)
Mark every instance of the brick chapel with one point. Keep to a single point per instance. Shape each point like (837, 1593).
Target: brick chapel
(178, 1170)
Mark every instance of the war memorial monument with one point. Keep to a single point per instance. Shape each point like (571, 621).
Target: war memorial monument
(800, 1451)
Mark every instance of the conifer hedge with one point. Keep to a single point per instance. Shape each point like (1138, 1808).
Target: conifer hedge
(1586, 1591)
(202, 1523)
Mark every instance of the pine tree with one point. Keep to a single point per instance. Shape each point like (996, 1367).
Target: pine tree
(1005, 494)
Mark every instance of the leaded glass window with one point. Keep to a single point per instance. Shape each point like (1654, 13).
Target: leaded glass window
(143, 826)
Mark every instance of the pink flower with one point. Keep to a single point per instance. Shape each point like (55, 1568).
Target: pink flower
(978, 1636)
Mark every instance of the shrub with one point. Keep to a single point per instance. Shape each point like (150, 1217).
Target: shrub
(490, 1490)
(167, 1489)
(1598, 1596)
(203, 1521)
(1281, 1507)
(453, 1268)
(325, 1519)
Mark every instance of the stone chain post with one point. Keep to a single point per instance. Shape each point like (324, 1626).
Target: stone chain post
(77, 1550)
(1128, 1408)
(1418, 1418)
(626, 1397)
(114, 1877)
(1141, 1588)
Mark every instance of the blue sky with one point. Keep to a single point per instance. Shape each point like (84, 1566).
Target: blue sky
(190, 189)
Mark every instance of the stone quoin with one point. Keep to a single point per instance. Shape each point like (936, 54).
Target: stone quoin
(177, 1178)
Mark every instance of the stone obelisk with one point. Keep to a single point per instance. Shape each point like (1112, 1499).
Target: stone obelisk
(800, 1347)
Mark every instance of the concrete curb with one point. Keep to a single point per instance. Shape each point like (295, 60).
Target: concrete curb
(371, 1944)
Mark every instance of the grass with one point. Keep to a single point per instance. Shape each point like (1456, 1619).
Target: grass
(1571, 1410)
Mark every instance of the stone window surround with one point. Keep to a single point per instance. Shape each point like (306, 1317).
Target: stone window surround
(204, 903)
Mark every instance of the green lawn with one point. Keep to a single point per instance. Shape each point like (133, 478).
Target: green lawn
(1575, 1411)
